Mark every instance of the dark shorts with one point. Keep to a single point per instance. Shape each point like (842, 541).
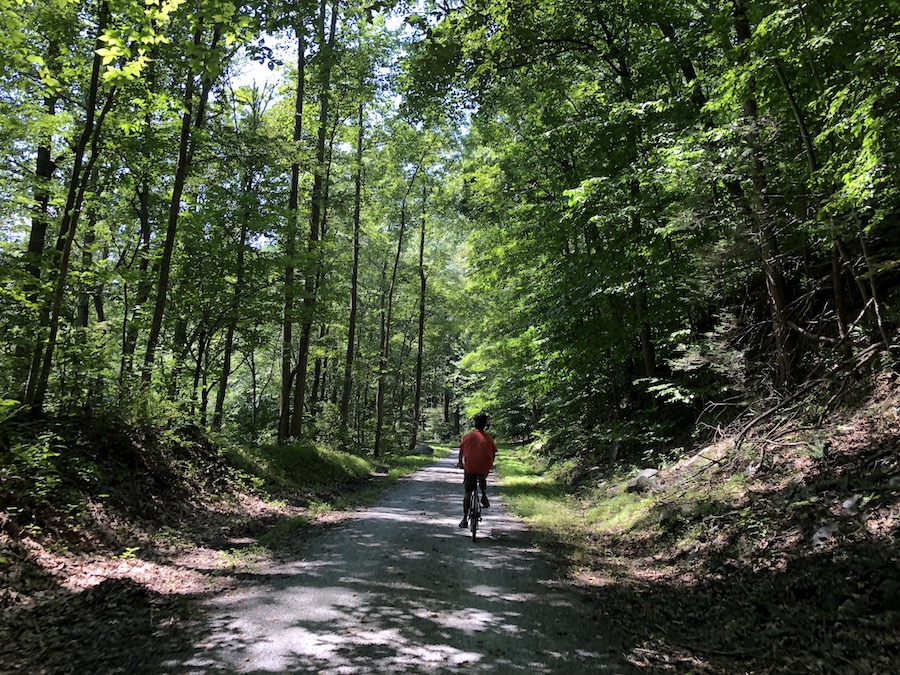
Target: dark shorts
(469, 480)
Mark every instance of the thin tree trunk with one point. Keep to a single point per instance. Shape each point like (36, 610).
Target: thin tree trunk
(808, 147)
(39, 376)
(767, 239)
(40, 221)
(448, 393)
(232, 319)
(186, 148)
(813, 164)
(315, 217)
(417, 402)
(382, 359)
(885, 338)
(318, 388)
(204, 390)
(131, 327)
(290, 247)
(198, 370)
(647, 348)
(354, 277)
(386, 321)
(87, 258)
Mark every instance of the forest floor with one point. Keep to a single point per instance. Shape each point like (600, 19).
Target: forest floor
(779, 558)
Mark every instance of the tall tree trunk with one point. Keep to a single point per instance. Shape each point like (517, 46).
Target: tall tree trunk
(142, 251)
(382, 359)
(232, 318)
(39, 376)
(647, 348)
(813, 164)
(290, 246)
(87, 258)
(354, 277)
(318, 388)
(876, 302)
(198, 369)
(417, 401)
(43, 174)
(186, 147)
(204, 391)
(326, 47)
(386, 320)
(40, 221)
(766, 236)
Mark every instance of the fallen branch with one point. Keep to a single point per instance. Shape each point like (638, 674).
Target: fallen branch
(771, 411)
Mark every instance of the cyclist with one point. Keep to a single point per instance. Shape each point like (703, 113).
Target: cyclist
(476, 455)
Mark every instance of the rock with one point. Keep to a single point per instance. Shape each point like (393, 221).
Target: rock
(422, 449)
(894, 482)
(642, 482)
(850, 507)
(669, 517)
(824, 534)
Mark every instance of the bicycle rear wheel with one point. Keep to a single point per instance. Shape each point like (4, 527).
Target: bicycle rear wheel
(474, 513)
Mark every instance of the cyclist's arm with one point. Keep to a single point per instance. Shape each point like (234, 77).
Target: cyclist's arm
(459, 459)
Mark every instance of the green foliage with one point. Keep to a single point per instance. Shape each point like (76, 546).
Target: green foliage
(612, 216)
(31, 468)
(129, 553)
(299, 466)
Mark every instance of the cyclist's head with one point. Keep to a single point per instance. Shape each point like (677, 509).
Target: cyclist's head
(480, 421)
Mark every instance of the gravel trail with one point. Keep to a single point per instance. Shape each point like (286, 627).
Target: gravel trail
(399, 588)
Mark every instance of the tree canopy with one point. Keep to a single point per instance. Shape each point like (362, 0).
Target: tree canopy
(602, 222)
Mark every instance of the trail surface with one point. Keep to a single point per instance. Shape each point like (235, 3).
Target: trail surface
(401, 589)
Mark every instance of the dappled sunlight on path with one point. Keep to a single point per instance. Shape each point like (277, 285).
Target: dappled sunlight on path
(401, 589)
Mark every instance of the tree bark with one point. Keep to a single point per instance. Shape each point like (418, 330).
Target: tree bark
(354, 277)
(290, 246)
(186, 148)
(766, 236)
(142, 251)
(386, 321)
(39, 376)
(232, 318)
(417, 401)
(43, 174)
(326, 46)
(84, 298)
(382, 361)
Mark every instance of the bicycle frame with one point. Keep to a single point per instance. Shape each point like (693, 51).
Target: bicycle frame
(474, 509)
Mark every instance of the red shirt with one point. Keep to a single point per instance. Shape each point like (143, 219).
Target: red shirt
(478, 451)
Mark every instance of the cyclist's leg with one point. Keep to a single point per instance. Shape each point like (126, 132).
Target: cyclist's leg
(483, 481)
(468, 484)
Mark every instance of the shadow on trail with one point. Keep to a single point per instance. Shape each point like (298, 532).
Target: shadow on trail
(401, 589)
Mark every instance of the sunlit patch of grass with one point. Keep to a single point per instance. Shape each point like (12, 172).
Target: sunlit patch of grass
(532, 493)
(561, 520)
(391, 469)
(618, 512)
(328, 480)
(301, 466)
(243, 558)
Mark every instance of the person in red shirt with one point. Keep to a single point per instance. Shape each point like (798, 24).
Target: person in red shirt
(476, 455)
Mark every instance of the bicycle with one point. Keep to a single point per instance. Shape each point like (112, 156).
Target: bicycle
(474, 510)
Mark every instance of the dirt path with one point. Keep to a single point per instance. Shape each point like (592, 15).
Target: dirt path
(399, 589)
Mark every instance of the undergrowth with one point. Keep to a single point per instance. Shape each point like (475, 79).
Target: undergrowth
(80, 478)
(775, 554)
